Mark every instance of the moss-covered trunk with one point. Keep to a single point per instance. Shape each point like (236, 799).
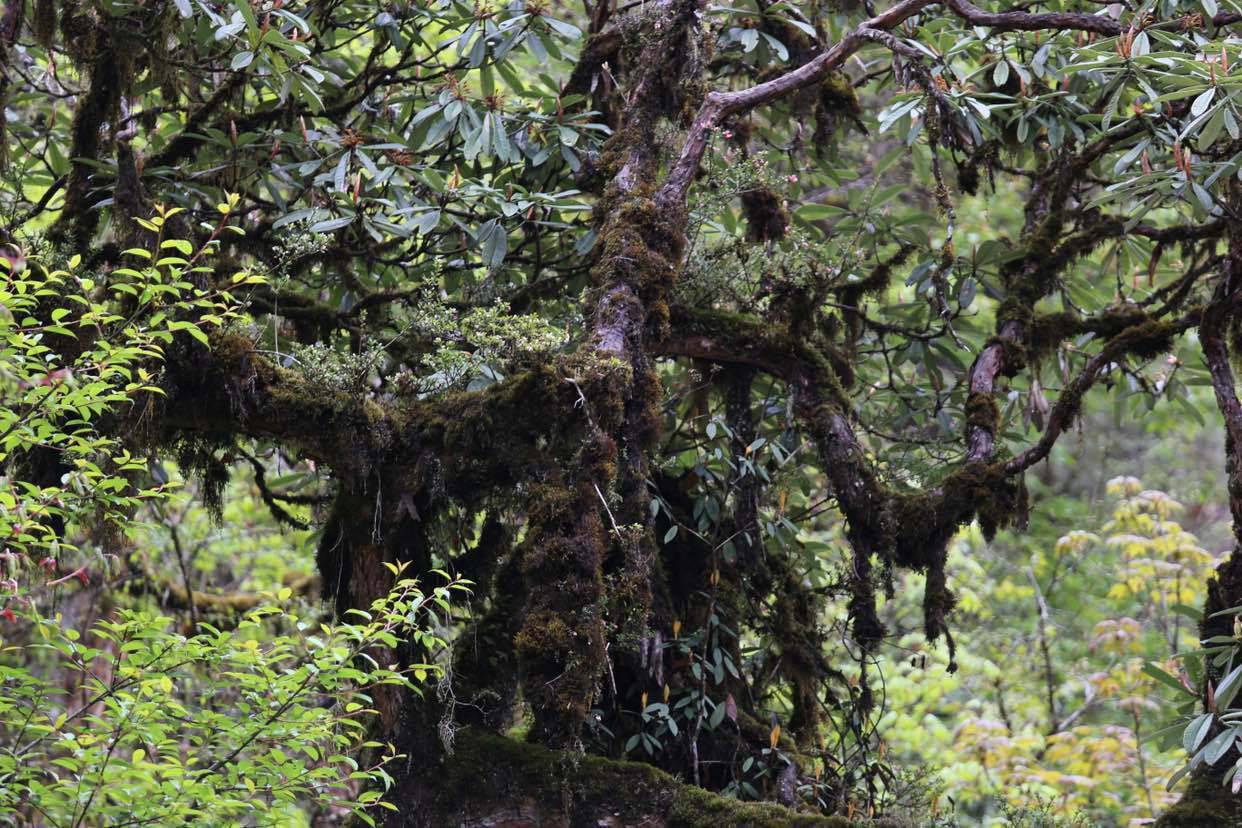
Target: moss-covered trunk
(1205, 801)
(1204, 804)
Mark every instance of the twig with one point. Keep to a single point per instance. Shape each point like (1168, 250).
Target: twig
(609, 511)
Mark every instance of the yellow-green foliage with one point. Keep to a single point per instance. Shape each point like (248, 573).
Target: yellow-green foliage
(987, 727)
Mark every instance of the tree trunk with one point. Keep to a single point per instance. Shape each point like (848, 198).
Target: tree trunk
(1206, 802)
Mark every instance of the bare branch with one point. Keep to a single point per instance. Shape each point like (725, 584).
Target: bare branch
(720, 105)
(1027, 22)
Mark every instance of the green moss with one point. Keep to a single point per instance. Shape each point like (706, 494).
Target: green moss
(640, 244)
(1147, 340)
(1014, 359)
(554, 788)
(544, 635)
(1013, 309)
(44, 23)
(837, 91)
(1047, 331)
(561, 640)
(560, 644)
(472, 424)
(1206, 803)
(766, 216)
(834, 373)
(697, 808)
(486, 767)
(748, 335)
(922, 524)
(983, 412)
(1114, 320)
(197, 456)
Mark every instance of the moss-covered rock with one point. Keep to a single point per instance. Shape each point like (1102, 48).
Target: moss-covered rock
(494, 781)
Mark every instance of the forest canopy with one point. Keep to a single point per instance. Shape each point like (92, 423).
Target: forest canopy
(664, 413)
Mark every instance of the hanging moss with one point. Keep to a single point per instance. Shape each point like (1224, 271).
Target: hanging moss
(480, 440)
(1146, 341)
(907, 529)
(921, 526)
(485, 670)
(837, 101)
(852, 294)
(865, 625)
(80, 31)
(878, 280)
(921, 523)
(837, 91)
(985, 490)
(796, 630)
(766, 216)
(1013, 309)
(1046, 331)
(938, 603)
(968, 176)
(197, 456)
